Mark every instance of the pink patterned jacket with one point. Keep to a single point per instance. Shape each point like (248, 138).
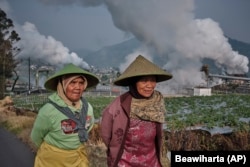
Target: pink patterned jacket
(114, 127)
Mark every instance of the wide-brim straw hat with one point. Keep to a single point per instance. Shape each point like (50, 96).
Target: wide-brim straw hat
(141, 67)
(70, 69)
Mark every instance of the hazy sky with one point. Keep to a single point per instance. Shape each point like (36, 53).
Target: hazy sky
(182, 32)
(75, 26)
(232, 16)
(79, 27)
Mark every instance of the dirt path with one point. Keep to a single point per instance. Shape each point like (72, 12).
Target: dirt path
(13, 152)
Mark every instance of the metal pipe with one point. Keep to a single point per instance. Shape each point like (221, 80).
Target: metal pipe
(229, 77)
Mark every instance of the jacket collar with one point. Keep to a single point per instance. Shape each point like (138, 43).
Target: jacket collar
(125, 100)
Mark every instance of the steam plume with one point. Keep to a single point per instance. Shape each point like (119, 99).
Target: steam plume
(43, 48)
(47, 49)
(170, 28)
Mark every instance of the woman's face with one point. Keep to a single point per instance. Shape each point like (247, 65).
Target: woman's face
(146, 85)
(75, 89)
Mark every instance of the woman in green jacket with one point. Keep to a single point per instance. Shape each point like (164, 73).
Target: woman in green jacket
(62, 124)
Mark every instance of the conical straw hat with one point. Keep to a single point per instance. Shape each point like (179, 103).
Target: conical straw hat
(141, 67)
(51, 82)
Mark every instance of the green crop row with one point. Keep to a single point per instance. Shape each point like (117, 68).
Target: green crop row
(207, 111)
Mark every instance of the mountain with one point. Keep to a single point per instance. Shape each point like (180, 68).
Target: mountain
(112, 56)
(241, 47)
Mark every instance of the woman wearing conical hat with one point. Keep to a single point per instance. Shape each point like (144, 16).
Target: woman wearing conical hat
(132, 125)
(62, 124)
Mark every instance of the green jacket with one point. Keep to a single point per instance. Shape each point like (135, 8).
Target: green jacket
(48, 126)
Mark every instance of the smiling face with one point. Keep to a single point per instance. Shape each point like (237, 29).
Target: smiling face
(146, 85)
(74, 89)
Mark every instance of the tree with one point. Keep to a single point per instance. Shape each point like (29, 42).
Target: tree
(8, 50)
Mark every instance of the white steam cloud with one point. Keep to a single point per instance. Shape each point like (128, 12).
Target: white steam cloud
(49, 50)
(41, 49)
(170, 28)
(131, 57)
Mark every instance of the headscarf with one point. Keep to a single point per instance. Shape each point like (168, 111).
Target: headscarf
(146, 108)
(62, 86)
(133, 90)
(68, 78)
(149, 109)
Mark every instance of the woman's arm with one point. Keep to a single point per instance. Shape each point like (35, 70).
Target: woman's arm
(106, 124)
(40, 128)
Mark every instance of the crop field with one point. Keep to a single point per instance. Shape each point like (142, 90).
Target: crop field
(198, 123)
(221, 113)
(34, 102)
(224, 112)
